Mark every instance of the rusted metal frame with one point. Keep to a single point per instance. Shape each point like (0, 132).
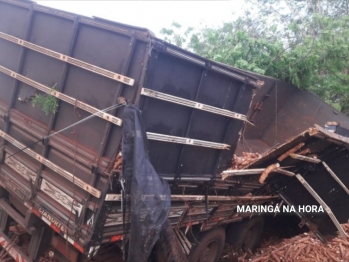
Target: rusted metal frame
(107, 129)
(210, 215)
(140, 33)
(68, 59)
(104, 187)
(55, 12)
(335, 177)
(19, 69)
(57, 141)
(148, 53)
(68, 99)
(42, 203)
(83, 19)
(322, 203)
(202, 62)
(331, 152)
(183, 216)
(12, 249)
(65, 230)
(332, 137)
(177, 175)
(229, 125)
(38, 202)
(184, 242)
(93, 22)
(260, 103)
(60, 171)
(53, 118)
(304, 220)
(135, 99)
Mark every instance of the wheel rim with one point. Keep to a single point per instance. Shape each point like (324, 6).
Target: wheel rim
(210, 252)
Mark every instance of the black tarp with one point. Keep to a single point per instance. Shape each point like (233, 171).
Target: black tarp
(150, 196)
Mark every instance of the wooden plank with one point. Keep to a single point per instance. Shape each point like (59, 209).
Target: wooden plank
(305, 158)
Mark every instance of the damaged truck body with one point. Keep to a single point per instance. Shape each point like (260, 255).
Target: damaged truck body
(61, 178)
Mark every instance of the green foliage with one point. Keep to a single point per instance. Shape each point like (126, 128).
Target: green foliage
(48, 103)
(305, 42)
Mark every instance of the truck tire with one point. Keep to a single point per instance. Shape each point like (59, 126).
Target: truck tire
(209, 246)
(246, 234)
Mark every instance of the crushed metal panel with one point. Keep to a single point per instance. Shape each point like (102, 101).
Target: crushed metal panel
(315, 184)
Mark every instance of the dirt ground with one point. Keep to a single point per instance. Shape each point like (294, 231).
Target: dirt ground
(279, 245)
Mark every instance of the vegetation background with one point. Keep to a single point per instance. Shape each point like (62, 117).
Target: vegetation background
(305, 42)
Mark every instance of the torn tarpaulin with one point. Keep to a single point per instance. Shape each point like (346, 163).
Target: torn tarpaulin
(150, 195)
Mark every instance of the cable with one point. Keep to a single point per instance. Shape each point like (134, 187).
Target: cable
(79, 122)
(87, 118)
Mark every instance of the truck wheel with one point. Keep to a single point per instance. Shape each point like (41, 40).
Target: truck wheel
(246, 234)
(210, 246)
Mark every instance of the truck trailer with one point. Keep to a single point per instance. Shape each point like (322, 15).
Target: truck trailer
(61, 169)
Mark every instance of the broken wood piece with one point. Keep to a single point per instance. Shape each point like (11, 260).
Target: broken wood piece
(284, 172)
(275, 257)
(305, 158)
(266, 172)
(292, 150)
(342, 250)
(304, 151)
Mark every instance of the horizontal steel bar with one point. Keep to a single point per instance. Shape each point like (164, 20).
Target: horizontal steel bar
(61, 96)
(322, 203)
(335, 177)
(186, 57)
(192, 104)
(117, 197)
(200, 62)
(68, 59)
(186, 141)
(67, 175)
(257, 84)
